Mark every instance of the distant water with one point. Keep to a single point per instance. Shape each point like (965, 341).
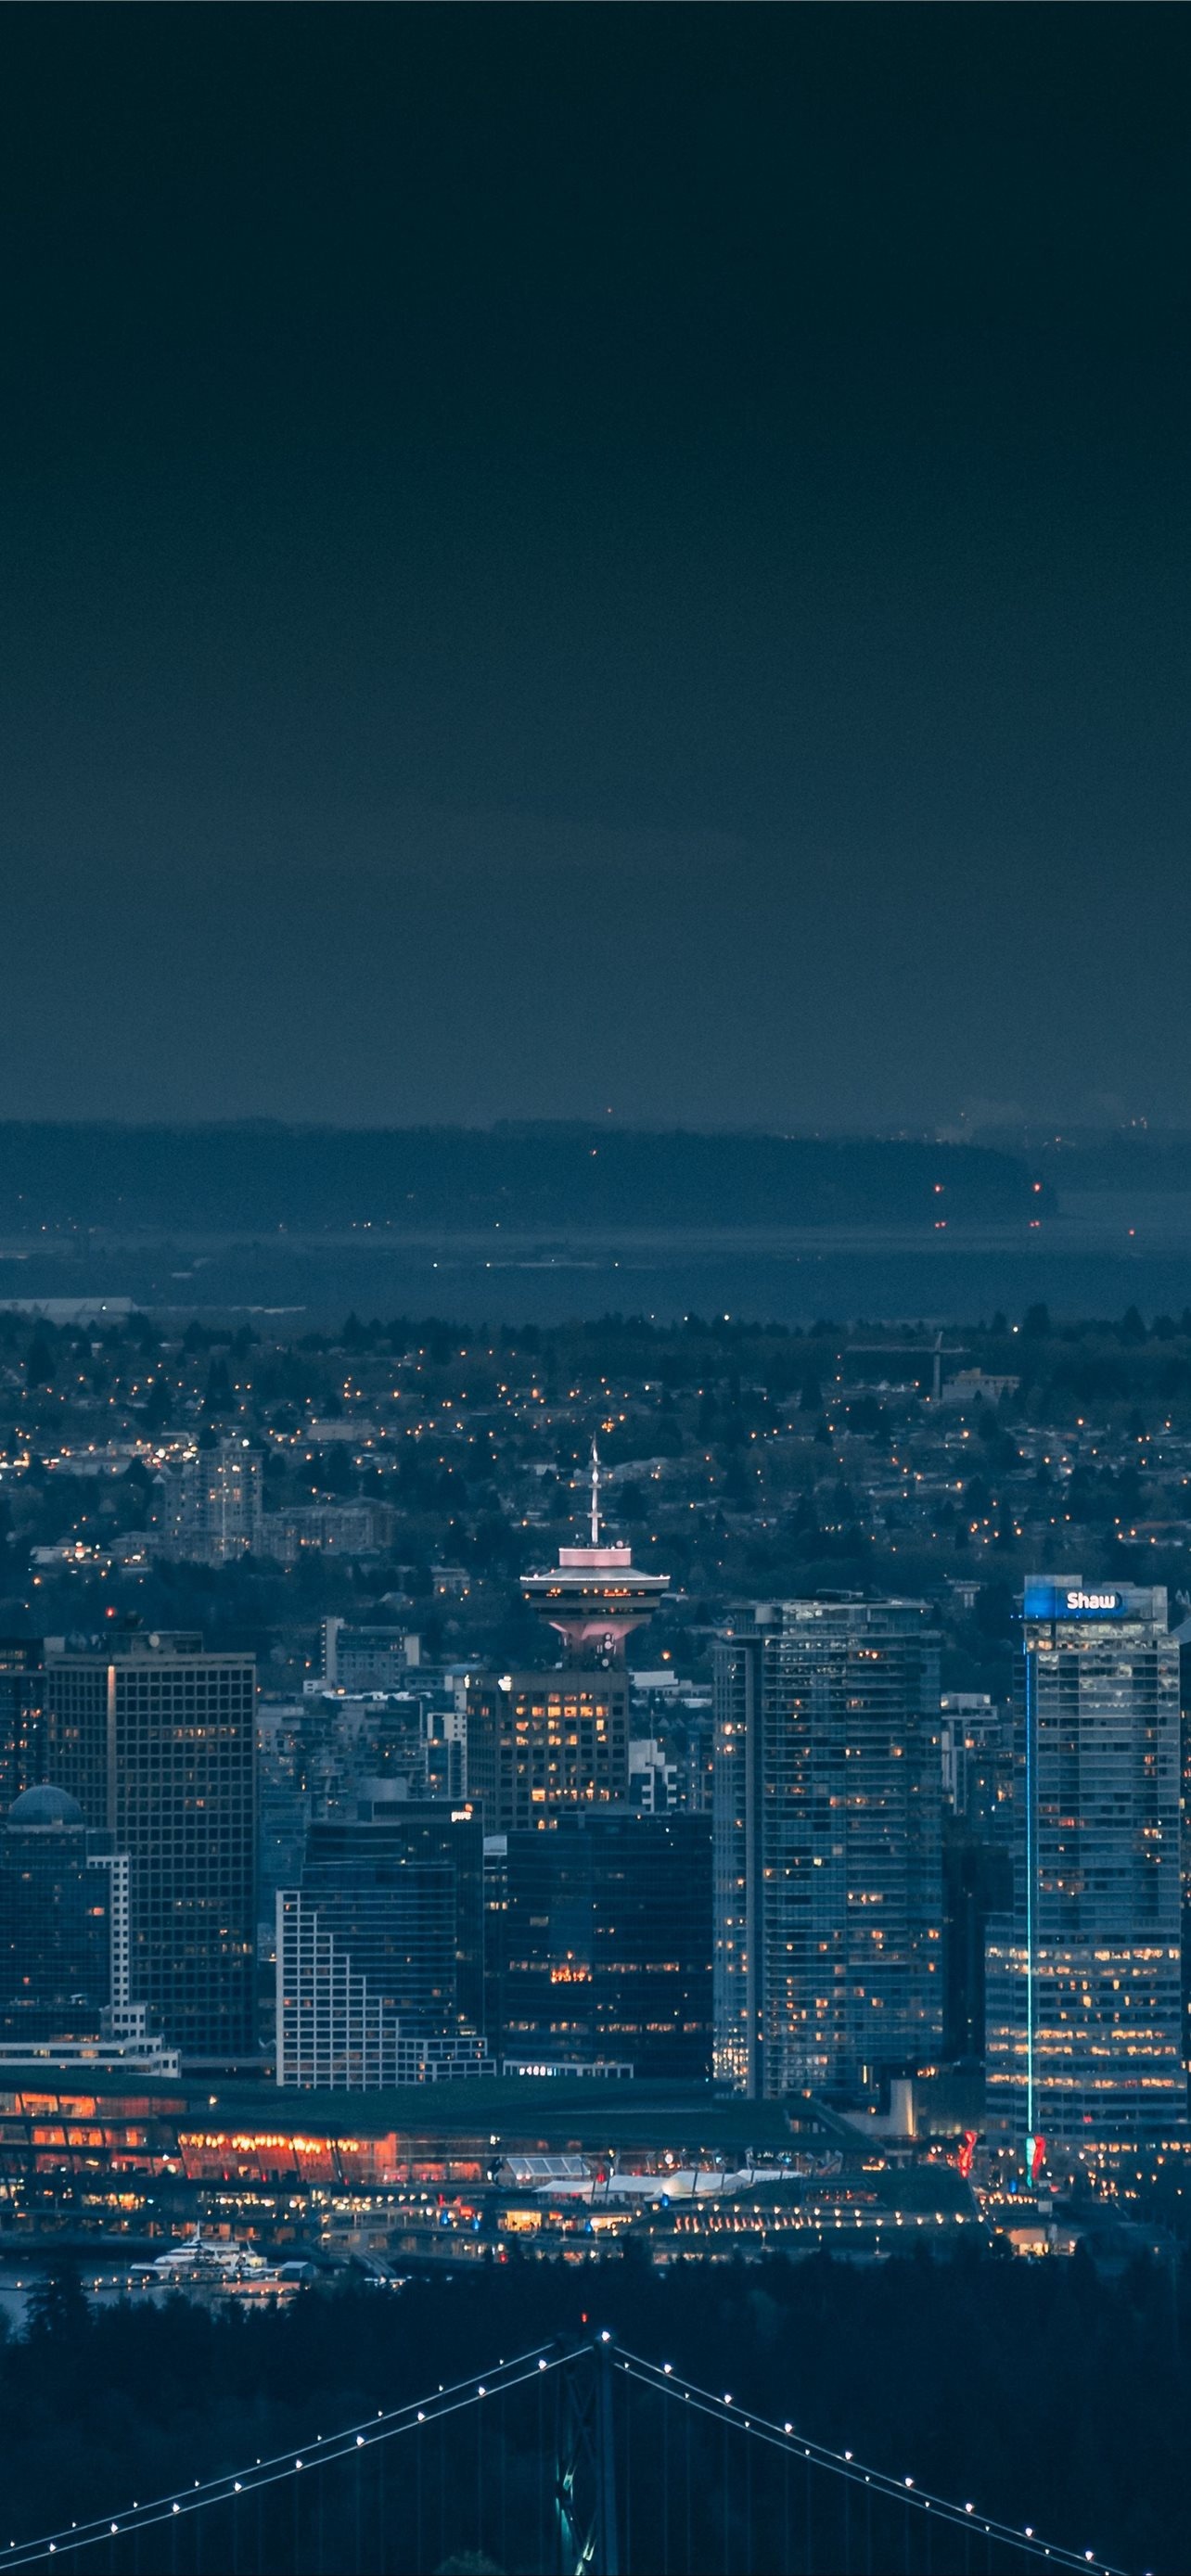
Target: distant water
(793, 1290)
(1075, 1270)
(102, 2285)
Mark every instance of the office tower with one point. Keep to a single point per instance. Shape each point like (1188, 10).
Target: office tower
(677, 1718)
(690, 1746)
(22, 1717)
(544, 1741)
(977, 1754)
(64, 1943)
(156, 1740)
(1083, 1998)
(541, 1742)
(976, 1738)
(353, 1740)
(977, 1879)
(418, 1737)
(601, 1948)
(55, 1920)
(444, 1753)
(380, 1952)
(652, 1775)
(827, 1817)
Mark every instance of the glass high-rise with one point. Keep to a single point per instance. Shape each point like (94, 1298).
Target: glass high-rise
(157, 1741)
(601, 1946)
(380, 1951)
(56, 1928)
(827, 1810)
(22, 1717)
(1083, 2002)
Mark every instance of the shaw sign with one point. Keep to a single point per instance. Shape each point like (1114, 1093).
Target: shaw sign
(1070, 1601)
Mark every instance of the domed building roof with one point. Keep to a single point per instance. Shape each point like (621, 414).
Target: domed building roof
(45, 1806)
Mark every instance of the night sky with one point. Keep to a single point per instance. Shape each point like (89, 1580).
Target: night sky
(561, 559)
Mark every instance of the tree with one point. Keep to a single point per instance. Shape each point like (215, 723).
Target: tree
(39, 1362)
(58, 2311)
(219, 1387)
(334, 1471)
(158, 1405)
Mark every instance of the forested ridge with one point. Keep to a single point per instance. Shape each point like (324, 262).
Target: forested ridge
(1044, 2391)
(258, 1176)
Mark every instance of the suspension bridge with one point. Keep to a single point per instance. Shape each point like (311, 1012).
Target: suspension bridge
(577, 2458)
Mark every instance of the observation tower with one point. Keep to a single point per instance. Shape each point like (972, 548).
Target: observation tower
(594, 1595)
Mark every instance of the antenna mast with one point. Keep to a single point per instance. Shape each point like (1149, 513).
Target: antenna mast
(595, 1495)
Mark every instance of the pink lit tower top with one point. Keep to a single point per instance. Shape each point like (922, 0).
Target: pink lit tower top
(595, 1594)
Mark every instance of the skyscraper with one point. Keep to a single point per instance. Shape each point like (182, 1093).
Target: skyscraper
(55, 1919)
(602, 1948)
(380, 1954)
(22, 1717)
(977, 1749)
(157, 1741)
(1083, 2004)
(64, 1944)
(538, 1743)
(827, 1837)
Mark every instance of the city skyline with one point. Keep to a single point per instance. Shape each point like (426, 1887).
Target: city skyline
(595, 1289)
(604, 1926)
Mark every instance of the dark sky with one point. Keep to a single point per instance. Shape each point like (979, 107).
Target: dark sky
(567, 558)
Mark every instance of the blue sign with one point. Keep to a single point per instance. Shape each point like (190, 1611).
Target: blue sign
(1075, 1601)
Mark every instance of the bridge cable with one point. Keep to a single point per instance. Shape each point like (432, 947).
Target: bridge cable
(905, 2491)
(317, 2454)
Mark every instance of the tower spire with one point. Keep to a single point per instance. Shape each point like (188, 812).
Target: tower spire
(595, 1594)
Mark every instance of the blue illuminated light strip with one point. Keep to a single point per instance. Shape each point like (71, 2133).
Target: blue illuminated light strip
(1031, 1868)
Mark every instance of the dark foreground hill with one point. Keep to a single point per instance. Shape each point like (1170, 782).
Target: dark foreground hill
(1046, 2393)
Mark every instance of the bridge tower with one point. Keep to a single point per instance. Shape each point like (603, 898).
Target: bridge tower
(585, 2464)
